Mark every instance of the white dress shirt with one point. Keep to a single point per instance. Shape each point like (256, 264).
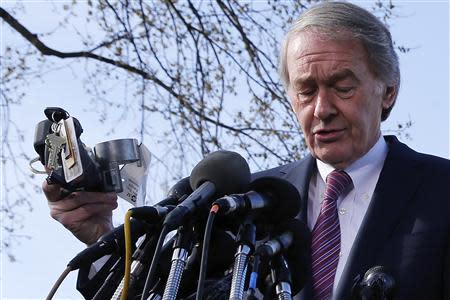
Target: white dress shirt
(351, 206)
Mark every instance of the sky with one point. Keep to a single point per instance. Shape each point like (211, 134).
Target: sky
(424, 99)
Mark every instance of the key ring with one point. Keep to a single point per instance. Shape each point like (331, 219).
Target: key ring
(35, 171)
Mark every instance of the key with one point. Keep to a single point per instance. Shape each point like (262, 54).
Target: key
(70, 156)
(69, 152)
(54, 143)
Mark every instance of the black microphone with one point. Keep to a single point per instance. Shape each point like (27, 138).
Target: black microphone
(218, 173)
(178, 190)
(292, 240)
(377, 284)
(274, 198)
(220, 258)
(113, 241)
(289, 232)
(107, 244)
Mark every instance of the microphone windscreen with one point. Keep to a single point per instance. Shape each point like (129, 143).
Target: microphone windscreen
(375, 271)
(179, 189)
(228, 171)
(297, 255)
(221, 252)
(220, 259)
(379, 278)
(285, 196)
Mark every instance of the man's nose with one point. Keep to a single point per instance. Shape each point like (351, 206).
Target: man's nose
(324, 105)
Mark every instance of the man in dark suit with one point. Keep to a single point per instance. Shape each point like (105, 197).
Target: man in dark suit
(342, 76)
(405, 229)
(368, 200)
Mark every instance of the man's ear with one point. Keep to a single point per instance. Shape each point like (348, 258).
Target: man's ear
(291, 97)
(389, 96)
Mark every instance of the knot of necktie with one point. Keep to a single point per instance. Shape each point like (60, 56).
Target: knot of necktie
(337, 182)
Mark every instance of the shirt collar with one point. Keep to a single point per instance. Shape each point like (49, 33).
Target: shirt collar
(363, 167)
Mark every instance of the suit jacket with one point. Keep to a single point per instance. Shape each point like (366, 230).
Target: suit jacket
(406, 227)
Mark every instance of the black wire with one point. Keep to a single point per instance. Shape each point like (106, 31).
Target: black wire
(205, 250)
(152, 270)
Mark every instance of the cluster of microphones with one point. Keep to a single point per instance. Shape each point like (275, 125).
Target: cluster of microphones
(219, 234)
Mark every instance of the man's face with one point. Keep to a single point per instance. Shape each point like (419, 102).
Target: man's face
(336, 97)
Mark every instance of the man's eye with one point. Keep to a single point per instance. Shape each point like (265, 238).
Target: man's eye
(305, 95)
(345, 91)
(306, 92)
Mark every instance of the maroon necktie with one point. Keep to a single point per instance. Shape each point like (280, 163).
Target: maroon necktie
(326, 236)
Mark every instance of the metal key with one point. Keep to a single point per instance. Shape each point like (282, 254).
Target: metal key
(54, 143)
(69, 155)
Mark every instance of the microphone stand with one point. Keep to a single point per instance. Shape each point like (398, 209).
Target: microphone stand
(281, 276)
(246, 244)
(180, 255)
(111, 282)
(140, 257)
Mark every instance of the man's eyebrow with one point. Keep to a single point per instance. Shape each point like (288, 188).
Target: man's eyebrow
(344, 74)
(303, 80)
(340, 75)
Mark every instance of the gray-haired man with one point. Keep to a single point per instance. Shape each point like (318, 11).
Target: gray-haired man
(385, 205)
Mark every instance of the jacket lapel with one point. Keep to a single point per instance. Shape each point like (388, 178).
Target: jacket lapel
(394, 189)
(299, 174)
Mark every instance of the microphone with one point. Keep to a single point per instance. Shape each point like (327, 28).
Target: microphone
(276, 245)
(178, 190)
(293, 242)
(377, 284)
(218, 173)
(220, 258)
(107, 244)
(275, 198)
(113, 241)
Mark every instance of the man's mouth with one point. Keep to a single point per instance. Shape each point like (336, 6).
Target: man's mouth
(328, 135)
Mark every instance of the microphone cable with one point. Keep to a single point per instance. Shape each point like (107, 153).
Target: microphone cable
(253, 277)
(58, 283)
(149, 213)
(205, 251)
(127, 237)
(154, 264)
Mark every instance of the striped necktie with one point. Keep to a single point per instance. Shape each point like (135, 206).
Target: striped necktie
(326, 237)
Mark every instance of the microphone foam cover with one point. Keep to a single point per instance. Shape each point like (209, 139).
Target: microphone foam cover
(298, 255)
(285, 196)
(181, 188)
(379, 277)
(228, 171)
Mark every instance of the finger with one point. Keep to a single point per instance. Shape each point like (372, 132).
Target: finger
(51, 191)
(92, 197)
(102, 197)
(83, 213)
(77, 199)
(89, 232)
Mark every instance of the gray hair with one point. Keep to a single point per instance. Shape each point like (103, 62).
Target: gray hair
(335, 18)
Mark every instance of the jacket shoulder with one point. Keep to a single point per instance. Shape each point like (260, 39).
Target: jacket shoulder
(286, 170)
(428, 163)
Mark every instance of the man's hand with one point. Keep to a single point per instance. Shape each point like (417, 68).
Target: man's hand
(88, 215)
